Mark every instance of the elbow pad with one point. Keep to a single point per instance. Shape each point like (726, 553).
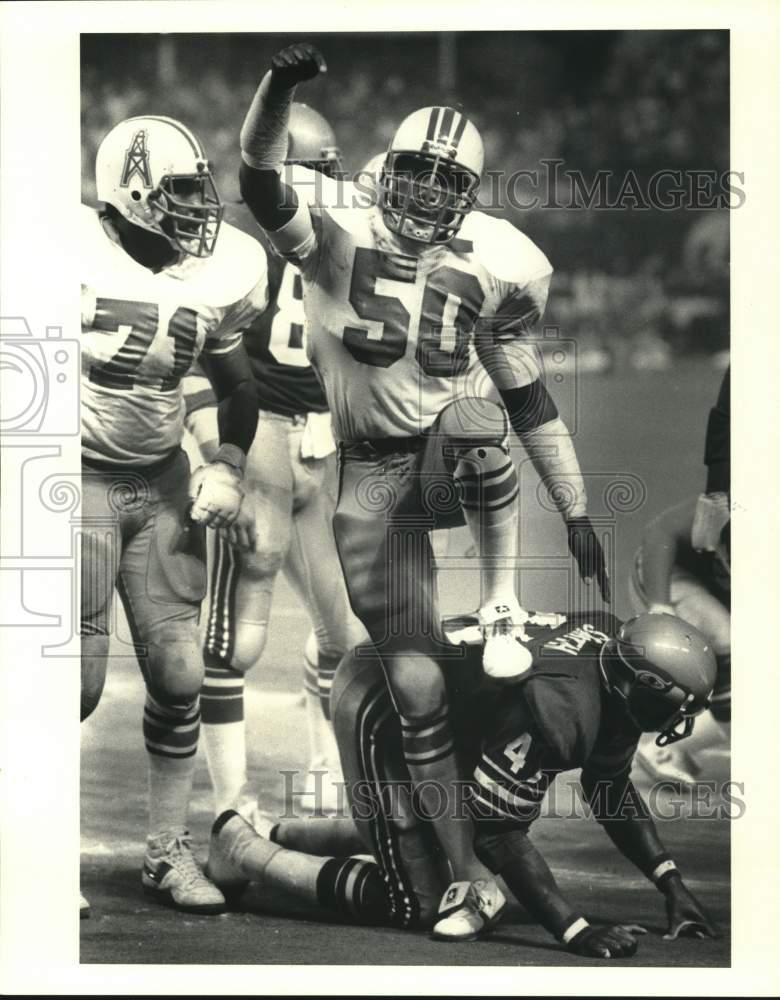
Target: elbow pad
(529, 406)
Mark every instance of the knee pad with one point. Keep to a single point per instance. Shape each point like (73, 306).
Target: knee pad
(263, 564)
(94, 652)
(471, 423)
(173, 666)
(244, 648)
(417, 688)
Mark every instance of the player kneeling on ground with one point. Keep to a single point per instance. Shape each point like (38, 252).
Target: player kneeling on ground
(594, 687)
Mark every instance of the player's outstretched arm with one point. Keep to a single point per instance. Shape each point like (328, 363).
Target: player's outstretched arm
(507, 851)
(516, 372)
(623, 813)
(264, 136)
(215, 488)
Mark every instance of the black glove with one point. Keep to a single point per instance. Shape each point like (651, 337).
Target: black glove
(297, 63)
(686, 915)
(605, 942)
(586, 549)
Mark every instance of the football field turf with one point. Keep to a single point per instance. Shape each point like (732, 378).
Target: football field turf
(645, 431)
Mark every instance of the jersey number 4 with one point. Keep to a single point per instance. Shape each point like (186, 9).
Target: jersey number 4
(451, 303)
(140, 321)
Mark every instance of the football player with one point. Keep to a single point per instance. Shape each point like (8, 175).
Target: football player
(290, 485)
(684, 566)
(399, 290)
(595, 686)
(164, 282)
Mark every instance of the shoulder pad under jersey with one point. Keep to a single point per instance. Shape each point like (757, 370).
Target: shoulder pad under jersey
(236, 266)
(507, 254)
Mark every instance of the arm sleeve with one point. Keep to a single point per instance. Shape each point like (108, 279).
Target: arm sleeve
(293, 230)
(507, 851)
(234, 387)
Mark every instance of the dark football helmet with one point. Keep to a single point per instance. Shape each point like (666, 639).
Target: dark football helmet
(663, 670)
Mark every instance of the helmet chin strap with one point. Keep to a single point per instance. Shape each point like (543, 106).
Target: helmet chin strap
(148, 246)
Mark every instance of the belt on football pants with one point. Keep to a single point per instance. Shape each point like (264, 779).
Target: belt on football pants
(373, 448)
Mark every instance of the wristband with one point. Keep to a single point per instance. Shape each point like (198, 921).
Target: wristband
(231, 454)
(663, 870)
(574, 929)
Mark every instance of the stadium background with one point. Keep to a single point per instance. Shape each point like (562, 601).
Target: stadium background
(643, 294)
(636, 288)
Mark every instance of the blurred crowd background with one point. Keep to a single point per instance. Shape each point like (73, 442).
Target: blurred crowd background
(636, 287)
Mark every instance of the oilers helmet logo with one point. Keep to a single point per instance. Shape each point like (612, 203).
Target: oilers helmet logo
(137, 161)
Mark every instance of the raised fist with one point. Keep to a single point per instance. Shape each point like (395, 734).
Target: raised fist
(297, 63)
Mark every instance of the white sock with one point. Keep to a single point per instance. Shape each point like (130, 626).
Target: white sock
(225, 745)
(170, 786)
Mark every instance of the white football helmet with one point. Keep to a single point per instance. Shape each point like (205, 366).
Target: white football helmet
(154, 171)
(431, 175)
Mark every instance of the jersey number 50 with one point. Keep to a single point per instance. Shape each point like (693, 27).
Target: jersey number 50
(451, 303)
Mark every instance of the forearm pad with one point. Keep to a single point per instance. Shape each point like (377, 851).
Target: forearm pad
(551, 450)
(264, 132)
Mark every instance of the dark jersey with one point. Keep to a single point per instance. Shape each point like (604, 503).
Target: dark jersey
(515, 739)
(276, 345)
(275, 341)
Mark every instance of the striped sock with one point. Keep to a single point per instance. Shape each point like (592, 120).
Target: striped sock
(488, 488)
(354, 889)
(426, 741)
(171, 737)
(224, 732)
(222, 695)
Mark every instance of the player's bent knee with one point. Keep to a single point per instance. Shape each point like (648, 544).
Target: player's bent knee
(173, 665)
(248, 646)
(417, 686)
(471, 421)
(263, 564)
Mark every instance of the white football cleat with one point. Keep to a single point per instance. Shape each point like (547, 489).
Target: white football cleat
(219, 867)
(172, 873)
(505, 655)
(261, 821)
(468, 910)
(85, 910)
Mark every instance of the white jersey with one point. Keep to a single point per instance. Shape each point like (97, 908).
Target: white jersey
(143, 331)
(389, 333)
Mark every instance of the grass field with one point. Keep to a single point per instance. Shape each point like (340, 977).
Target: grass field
(649, 428)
